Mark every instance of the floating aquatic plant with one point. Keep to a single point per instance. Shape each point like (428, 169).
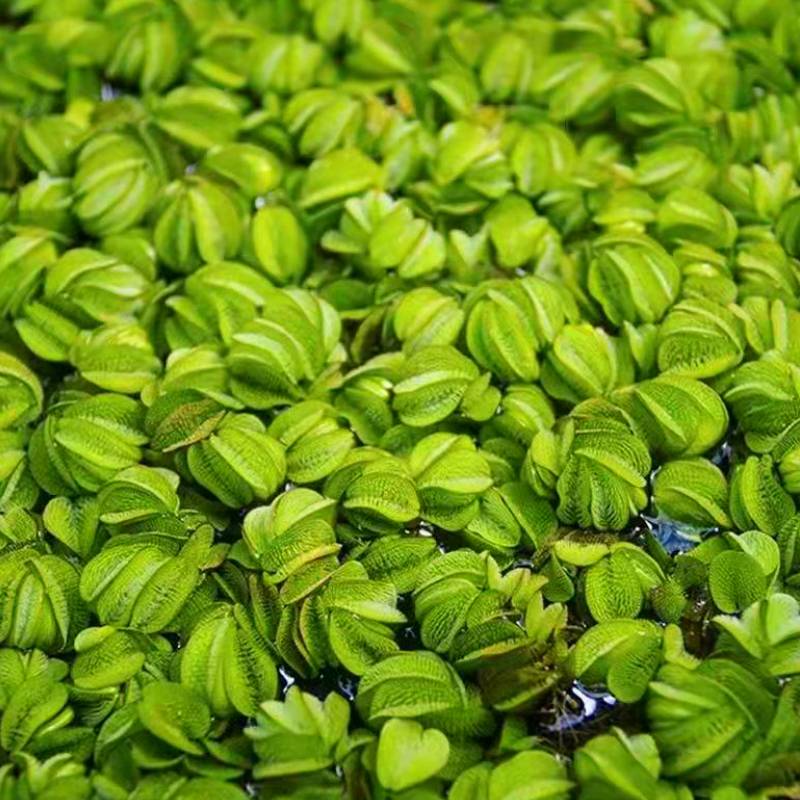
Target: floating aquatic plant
(399, 400)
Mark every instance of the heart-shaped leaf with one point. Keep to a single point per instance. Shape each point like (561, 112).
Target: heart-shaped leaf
(408, 754)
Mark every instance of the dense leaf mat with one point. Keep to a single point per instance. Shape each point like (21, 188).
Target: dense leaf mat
(399, 399)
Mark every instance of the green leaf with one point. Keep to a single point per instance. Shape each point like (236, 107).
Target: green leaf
(692, 491)
(227, 662)
(255, 170)
(619, 766)
(510, 321)
(515, 231)
(426, 317)
(180, 418)
(769, 631)
(735, 580)
(74, 523)
(141, 580)
(409, 754)
(408, 685)
(21, 396)
(118, 176)
(117, 358)
(238, 463)
(449, 474)
(375, 490)
(338, 175)
(137, 493)
(763, 396)
(39, 601)
(275, 358)
(633, 278)
(279, 244)
(613, 589)
(624, 654)
(699, 339)
(603, 475)
(106, 657)
(676, 415)
(708, 722)
(36, 702)
(176, 715)
(432, 385)
(692, 214)
(299, 735)
(511, 780)
(198, 221)
(757, 499)
(585, 362)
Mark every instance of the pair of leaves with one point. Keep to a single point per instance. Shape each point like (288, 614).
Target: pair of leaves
(604, 474)
(298, 735)
(227, 661)
(719, 704)
(768, 630)
(144, 581)
(275, 359)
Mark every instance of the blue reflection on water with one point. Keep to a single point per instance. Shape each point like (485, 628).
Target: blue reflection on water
(109, 93)
(593, 704)
(674, 537)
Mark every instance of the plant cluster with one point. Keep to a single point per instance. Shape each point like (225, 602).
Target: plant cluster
(379, 377)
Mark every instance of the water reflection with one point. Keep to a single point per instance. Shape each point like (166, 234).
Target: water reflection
(587, 706)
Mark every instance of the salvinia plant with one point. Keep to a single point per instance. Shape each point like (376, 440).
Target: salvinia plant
(399, 400)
